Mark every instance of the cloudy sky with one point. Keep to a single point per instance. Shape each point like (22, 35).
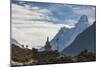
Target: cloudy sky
(32, 22)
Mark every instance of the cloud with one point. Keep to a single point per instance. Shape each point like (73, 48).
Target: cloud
(31, 26)
(89, 11)
(61, 12)
(21, 2)
(72, 12)
(70, 22)
(34, 13)
(32, 23)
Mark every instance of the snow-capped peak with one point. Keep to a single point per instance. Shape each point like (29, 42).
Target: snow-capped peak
(66, 36)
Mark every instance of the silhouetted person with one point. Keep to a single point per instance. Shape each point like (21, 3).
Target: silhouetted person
(26, 46)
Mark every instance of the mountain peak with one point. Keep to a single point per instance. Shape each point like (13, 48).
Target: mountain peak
(66, 36)
(83, 21)
(83, 18)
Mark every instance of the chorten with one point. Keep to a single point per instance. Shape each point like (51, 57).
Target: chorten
(47, 45)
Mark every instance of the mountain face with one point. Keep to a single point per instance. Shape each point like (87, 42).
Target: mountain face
(66, 36)
(85, 40)
(15, 42)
